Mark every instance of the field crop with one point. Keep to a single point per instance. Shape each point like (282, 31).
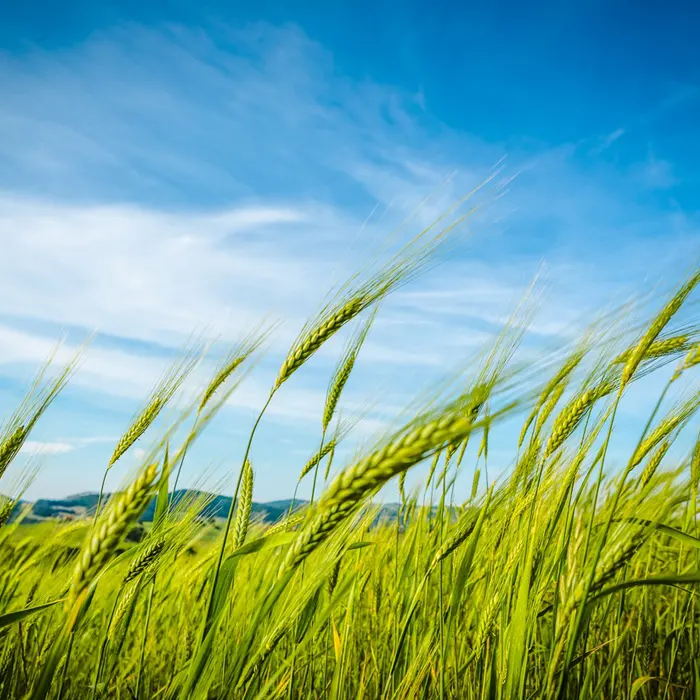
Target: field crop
(569, 575)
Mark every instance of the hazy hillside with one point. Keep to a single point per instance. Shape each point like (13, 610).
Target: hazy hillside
(80, 505)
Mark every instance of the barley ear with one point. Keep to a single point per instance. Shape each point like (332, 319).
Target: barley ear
(344, 370)
(124, 509)
(147, 557)
(309, 343)
(657, 325)
(160, 396)
(235, 358)
(654, 463)
(10, 447)
(659, 348)
(675, 420)
(316, 459)
(567, 421)
(245, 504)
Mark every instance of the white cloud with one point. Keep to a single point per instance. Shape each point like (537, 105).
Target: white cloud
(32, 448)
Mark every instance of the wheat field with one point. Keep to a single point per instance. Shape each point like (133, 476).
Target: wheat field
(570, 574)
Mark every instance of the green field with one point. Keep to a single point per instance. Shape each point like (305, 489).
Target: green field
(566, 576)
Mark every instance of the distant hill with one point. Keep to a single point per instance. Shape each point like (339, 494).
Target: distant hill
(81, 505)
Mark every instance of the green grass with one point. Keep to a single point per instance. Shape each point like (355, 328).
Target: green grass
(562, 578)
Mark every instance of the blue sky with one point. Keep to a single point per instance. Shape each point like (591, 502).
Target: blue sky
(179, 166)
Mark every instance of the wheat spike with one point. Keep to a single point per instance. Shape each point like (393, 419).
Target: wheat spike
(464, 527)
(666, 426)
(127, 595)
(7, 505)
(160, 396)
(245, 503)
(695, 463)
(549, 406)
(571, 416)
(554, 385)
(343, 370)
(403, 451)
(137, 428)
(316, 459)
(690, 360)
(328, 326)
(654, 463)
(286, 524)
(351, 301)
(10, 446)
(659, 348)
(693, 357)
(657, 325)
(144, 560)
(431, 471)
(123, 510)
(402, 487)
(235, 358)
(333, 577)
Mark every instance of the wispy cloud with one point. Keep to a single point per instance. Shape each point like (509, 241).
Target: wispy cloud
(33, 448)
(159, 181)
(609, 140)
(675, 100)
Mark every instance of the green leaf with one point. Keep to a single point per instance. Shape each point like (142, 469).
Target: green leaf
(663, 580)
(359, 545)
(265, 542)
(465, 566)
(637, 685)
(223, 585)
(18, 615)
(673, 532)
(162, 498)
(307, 615)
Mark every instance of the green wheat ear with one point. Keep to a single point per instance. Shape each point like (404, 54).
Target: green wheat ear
(359, 294)
(245, 503)
(415, 443)
(659, 348)
(231, 362)
(123, 510)
(656, 327)
(16, 429)
(567, 421)
(344, 369)
(160, 396)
